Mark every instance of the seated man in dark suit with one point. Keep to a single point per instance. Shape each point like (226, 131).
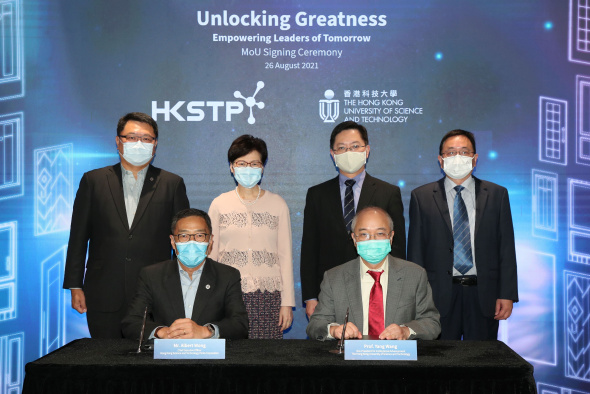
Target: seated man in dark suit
(191, 296)
(387, 297)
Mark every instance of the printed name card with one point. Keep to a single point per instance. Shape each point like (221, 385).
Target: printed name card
(194, 349)
(380, 350)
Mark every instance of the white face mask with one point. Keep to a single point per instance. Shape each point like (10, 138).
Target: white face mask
(350, 162)
(458, 167)
(137, 153)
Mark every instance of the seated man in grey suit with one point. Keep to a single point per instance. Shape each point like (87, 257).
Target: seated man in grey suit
(191, 296)
(388, 298)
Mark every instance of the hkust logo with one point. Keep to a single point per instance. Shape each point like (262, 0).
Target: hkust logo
(329, 108)
(196, 111)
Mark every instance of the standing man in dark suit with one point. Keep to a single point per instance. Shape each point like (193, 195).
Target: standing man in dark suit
(192, 296)
(331, 206)
(121, 216)
(461, 232)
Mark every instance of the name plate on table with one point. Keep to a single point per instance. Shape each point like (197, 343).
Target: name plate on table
(192, 349)
(357, 349)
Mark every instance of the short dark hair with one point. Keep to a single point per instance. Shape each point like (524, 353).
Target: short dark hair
(245, 144)
(185, 213)
(349, 124)
(138, 117)
(454, 133)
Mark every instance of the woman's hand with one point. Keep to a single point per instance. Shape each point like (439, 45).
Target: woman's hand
(285, 317)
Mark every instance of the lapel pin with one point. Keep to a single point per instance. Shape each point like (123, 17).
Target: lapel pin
(152, 179)
(207, 287)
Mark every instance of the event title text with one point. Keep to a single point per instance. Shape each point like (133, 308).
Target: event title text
(302, 18)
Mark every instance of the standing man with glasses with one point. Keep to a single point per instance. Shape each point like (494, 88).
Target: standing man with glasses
(120, 220)
(330, 207)
(387, 297)
(461, 232)
(191, 296)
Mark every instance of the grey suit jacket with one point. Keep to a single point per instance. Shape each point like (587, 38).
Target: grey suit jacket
(409, 299)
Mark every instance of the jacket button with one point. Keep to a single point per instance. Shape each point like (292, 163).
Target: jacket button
(128, 259)
(131, 236)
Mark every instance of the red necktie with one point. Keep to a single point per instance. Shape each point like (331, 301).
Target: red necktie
(376, 316)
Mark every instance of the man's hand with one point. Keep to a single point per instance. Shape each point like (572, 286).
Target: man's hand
(78, 300)
(285, 317)
(503, 309)
(393, 331)
(352, 332)
(162, 332)
(310, 307)
(184, 329)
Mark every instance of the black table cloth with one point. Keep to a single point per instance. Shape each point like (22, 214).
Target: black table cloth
(280, 366)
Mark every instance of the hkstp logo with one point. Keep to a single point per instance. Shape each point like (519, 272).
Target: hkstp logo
(196, 111)
(329, 108)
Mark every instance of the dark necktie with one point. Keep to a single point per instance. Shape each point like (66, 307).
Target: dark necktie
(349, 203)
(376, 316)
(463, 260)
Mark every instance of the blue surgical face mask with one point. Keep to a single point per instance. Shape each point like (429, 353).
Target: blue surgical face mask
(247, 176)
(373, 251)
(191, 253)
(137, 153)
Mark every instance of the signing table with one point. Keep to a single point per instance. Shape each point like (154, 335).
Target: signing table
(280, 366)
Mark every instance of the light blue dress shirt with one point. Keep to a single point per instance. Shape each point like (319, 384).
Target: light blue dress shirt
(132, 191)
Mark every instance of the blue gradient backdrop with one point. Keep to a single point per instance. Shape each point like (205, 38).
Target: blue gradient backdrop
(515, 72)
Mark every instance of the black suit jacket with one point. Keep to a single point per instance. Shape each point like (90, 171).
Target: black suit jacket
(117, 251)
(326, 243)
(430, 243)
(218, 300)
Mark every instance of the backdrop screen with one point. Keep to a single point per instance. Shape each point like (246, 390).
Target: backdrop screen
(515, 72)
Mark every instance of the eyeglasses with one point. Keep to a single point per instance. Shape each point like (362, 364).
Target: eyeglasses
(354, 148)
(199, 237)
(454, 153)
(363, 236)
(253, 164)
(148, 139)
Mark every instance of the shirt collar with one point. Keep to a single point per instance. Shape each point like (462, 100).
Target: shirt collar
(364, 268)
(141, 172)
(467, 183)
(360, 178)
(183, 272)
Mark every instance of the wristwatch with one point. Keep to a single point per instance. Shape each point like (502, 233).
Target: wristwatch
(210, 328)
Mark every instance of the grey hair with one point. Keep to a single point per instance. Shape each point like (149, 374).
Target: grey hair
(378, 209)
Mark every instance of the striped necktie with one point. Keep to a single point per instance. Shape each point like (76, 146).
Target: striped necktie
(463, 260)
(349, 203)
